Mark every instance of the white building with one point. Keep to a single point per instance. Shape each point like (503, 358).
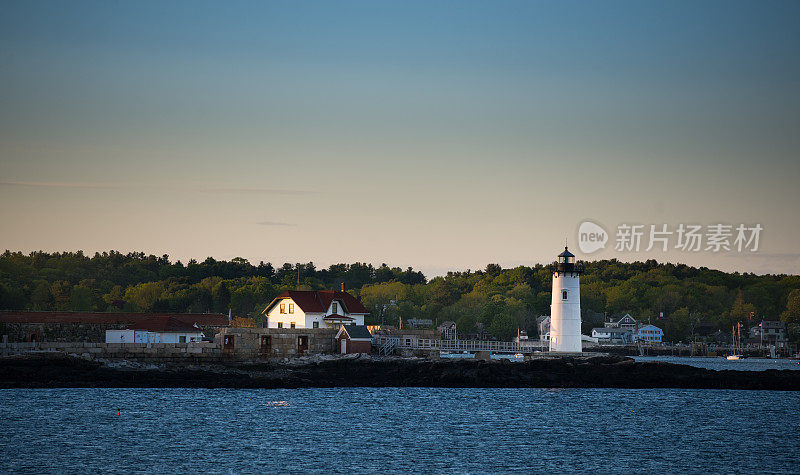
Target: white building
(156, 330)
(314, 309)
(565, 306)
(649, 334)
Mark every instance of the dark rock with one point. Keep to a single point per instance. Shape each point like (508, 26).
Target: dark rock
(58, 370)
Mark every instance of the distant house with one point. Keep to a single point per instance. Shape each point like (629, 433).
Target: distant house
(649, 335)
(774, 333)
(721, 338)
(354, 339)
(625, 322)
(314, 309)
(419, 322)
(543, 323)
(447, 330)
(156, 329)
(613, 335)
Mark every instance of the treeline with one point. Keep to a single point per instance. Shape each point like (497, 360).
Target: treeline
(495, 301)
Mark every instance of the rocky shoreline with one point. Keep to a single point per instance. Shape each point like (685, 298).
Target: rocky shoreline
(63, 371)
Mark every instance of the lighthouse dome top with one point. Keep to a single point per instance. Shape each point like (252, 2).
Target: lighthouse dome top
(566, 253)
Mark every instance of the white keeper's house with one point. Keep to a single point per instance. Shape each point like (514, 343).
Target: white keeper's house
(314, 309)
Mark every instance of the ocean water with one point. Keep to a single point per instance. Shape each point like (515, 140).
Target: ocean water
(430, 430)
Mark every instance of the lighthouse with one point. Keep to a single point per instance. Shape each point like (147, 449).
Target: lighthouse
(565, 306)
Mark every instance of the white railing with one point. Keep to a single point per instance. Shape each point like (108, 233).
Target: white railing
(446, 345)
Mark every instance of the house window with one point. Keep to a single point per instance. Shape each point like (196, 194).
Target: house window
(283, 308)
(280, 324)
(291, 308)
(182, 339)
(335, 308)
(316, 324)
(291, 325)
(563, 295)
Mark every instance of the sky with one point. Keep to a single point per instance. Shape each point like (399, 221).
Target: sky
(438, 135)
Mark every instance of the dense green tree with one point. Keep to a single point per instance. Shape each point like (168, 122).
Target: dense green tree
(142, 297)
(504, 326)
(741, 312)
(112, 281)
(41, 299)
(793, 332)
(81, 298)
(792, 312)
(222, 297)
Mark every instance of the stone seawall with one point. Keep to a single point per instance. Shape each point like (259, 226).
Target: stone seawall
(200, 351)
(250, 343)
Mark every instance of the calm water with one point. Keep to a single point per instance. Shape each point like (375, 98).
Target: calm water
(409, 429)
(747, 364)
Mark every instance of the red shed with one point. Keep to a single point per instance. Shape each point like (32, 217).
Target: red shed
(354, 339)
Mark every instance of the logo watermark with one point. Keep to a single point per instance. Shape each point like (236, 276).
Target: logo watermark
(591, 237)
(684, 237)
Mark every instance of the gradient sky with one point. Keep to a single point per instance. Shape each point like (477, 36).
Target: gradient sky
(438, 135)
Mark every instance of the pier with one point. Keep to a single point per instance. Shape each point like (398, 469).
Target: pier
(386, 345)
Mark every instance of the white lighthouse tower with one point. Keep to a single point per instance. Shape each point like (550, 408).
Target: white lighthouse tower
(565, 306)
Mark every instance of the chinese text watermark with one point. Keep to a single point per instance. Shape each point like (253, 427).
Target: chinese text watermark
(684, 237)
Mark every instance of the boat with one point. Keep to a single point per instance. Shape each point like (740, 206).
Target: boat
(737, 353)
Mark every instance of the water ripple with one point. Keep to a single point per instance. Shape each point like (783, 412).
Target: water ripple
(366, 430)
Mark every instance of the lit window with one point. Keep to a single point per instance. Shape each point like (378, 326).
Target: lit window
(335, 307)
(280, 324)
(563, 295)
(291, 308)
(283, 308)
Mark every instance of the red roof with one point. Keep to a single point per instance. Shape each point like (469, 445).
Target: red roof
(163, 324)
(111, 318)
(318, 301)
(336, 316)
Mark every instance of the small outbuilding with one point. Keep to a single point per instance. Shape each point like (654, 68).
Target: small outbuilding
(157, 329)
(353, 339)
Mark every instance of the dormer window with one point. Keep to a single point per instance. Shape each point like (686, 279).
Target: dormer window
(563, 295)
(335, 307)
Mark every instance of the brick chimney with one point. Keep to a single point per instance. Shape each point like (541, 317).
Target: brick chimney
(342, 286)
